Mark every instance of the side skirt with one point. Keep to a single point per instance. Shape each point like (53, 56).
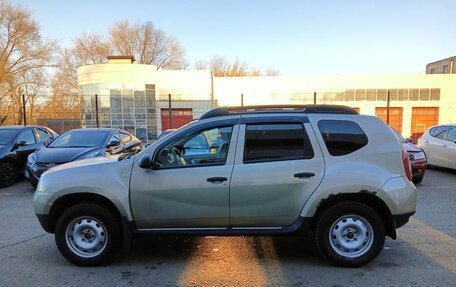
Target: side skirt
(299, 227)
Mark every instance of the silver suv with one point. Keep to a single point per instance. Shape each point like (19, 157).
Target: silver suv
(264, 170)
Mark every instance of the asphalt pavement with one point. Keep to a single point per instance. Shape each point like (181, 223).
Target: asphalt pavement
(423, 255)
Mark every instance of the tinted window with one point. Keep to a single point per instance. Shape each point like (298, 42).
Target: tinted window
(114, 138)
(27, 136)
(207, 147)
(439, 132)
(79, 139)
(44, 136)
(452, 135)
(342, 137)
(272, 142)
(6, 136)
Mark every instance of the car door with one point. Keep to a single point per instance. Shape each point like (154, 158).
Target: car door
(435, 145)
(28, 137)
(277, 167)
(449, 149)
(185, 194)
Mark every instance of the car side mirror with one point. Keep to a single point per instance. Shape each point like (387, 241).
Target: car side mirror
(19, 144)
(145, 161)
(113, 143)
(214, 145)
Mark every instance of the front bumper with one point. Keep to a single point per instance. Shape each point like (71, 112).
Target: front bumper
(418, 167)
(34, 172)
(44, 222)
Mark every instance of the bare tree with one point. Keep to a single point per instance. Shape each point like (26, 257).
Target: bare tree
(22, 50)
(221, 67)
(147, 44)
(90, 49)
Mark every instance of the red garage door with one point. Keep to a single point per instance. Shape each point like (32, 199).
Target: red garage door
(395, 117)
(422, 118)
(179, 117)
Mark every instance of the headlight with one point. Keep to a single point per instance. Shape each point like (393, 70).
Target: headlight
(419, 155)
(92, 154)
(31, 159)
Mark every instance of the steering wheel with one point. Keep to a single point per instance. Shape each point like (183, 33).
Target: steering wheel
(178, 156)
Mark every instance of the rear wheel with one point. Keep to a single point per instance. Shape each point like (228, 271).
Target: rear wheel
(350, 234)
(8, 174)
(87, 234)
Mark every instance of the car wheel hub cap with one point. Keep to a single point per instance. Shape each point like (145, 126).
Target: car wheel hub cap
(86, 237)
(351, 236)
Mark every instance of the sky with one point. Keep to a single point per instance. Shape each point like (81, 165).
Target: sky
(319, 37)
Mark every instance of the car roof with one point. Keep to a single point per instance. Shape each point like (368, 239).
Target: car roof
(95, 130)
(17, 127)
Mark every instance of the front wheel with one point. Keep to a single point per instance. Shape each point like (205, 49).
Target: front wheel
(8, 174)
(87, 234)
(350, 234)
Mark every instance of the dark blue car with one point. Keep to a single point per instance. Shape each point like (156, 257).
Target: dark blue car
(80, 144)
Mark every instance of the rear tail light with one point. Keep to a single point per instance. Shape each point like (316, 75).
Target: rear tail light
(406, 162)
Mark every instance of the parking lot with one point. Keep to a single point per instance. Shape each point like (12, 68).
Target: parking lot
(423, 255)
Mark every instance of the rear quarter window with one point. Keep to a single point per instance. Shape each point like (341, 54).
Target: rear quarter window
(342, 137)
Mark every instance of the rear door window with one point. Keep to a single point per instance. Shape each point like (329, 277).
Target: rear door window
(274, 142)
(342, 137)
(27, 136)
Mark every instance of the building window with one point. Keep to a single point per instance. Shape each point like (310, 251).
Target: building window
(433, 71)
(445, 69)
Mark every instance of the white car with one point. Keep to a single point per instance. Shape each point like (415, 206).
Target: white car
(439, 144)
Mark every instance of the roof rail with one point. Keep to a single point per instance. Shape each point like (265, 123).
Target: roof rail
(311, 109)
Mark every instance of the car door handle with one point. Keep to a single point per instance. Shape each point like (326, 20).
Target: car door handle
(217, 179)
(304, 174)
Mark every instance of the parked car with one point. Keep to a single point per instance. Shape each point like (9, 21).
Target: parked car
(80, 144)
(417, 158)
(16, 143)
(282, 170)
(439, 144)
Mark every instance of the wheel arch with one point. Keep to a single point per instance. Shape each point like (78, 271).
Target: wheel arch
(66, 201)
(369, 199)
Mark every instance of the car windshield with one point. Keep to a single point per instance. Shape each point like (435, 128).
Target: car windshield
(6, 136)
(79, 139)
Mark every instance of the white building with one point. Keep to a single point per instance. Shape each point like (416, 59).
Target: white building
(135, 96)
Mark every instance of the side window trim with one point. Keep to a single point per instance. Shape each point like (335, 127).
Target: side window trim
(271, 121)
(233, 124)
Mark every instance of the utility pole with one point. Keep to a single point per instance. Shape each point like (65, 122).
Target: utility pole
(23, 109)
(388, 108)
(96, 110)
(315, 98)
(242, 99)
(169, 112)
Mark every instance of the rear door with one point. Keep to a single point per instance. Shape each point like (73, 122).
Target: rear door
(449, 148)
(277, 167)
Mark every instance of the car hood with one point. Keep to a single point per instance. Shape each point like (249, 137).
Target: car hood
(86, 162)
(61, 155)
(409, 147)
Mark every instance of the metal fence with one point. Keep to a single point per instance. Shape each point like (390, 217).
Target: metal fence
(147, 116)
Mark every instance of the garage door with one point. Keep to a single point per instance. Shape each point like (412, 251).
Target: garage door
(179, 117)
(395, 117)
(422, 118)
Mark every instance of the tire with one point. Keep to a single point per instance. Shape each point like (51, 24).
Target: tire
(417, 179)
(8, 174)
(88, 234)
(350, 234)
(34, 184)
